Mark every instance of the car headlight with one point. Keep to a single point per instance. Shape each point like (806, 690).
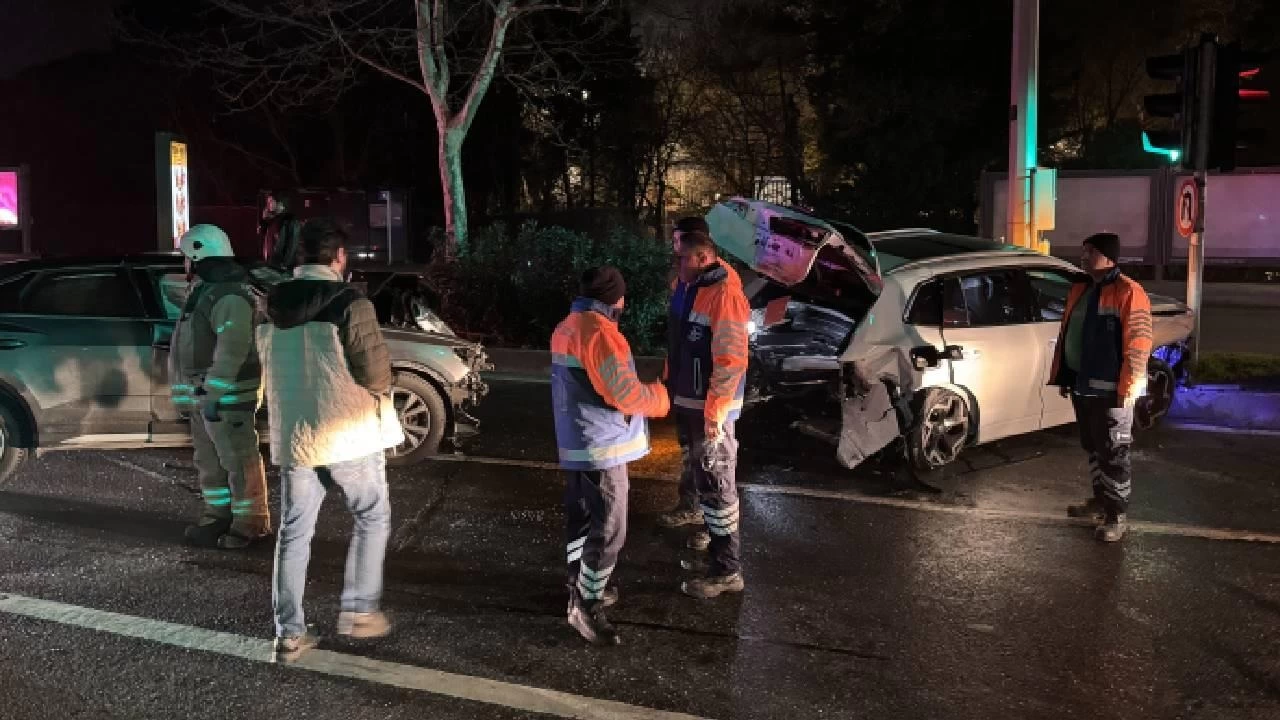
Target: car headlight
(429, 321)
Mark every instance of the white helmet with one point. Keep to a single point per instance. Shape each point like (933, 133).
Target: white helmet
(205, 241)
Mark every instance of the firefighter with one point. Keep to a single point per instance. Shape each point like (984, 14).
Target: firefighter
(600, 409)
(1101, 362)
(215, 374)
(706, 376)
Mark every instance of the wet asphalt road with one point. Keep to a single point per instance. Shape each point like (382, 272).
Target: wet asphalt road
(868, 595)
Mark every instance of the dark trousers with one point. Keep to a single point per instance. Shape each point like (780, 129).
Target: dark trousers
(716, 488)
(1106, 433)
(595, 510)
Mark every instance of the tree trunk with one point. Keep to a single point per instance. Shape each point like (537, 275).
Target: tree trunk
(451, 186)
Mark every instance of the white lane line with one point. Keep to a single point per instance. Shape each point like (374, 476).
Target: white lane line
(327, 662)
(1143, 526)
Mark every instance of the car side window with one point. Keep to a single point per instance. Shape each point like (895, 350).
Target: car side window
(995, 297)
(104, 293)
(926, 305)
(1049, 288)
(11, 293)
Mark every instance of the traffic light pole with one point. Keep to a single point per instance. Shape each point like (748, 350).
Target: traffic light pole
(1023, 116)
(1195, 248)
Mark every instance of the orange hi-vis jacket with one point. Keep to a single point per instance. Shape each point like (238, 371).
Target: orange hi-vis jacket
(707, 352)
(599, 402)
(1116, 342)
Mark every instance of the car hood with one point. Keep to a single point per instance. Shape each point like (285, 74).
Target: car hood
(798, 251)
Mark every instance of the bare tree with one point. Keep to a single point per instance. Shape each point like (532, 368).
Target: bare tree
(289, 53)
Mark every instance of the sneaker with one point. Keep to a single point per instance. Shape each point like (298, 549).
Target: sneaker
(1113, 530)
(610, 597)
(592, 625)
(289, 649)
(235, 540)
(1091, 508)
(699, 541)
(713, 586)
(680, 517)
(206, 534)
(363, 625)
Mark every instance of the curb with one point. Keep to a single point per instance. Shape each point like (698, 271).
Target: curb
(1228, 407)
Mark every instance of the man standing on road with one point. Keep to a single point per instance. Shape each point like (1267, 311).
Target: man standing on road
(328, 378)
(600, 409)
(1101, 362)
(279, 229)
(706, 376)
(215, 374)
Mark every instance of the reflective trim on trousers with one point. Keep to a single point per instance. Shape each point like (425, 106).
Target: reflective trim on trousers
(573, 551)
(591, 583)
(723, 521)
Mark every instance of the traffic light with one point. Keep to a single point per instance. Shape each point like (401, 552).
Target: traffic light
(1179, 106)
(1234, 71)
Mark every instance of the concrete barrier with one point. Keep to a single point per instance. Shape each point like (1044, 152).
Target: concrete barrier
(1227, 406)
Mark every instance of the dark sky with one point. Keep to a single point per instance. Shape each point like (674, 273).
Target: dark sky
(34, 32)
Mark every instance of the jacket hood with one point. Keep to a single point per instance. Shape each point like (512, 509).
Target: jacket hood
(298, 301)
(219, 269)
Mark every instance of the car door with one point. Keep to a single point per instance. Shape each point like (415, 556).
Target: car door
(987, 313)
(81, 344)
(1049, 288)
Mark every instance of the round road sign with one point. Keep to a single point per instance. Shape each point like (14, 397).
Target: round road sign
(1187, 209)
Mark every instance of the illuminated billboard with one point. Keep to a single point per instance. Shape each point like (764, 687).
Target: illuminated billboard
(9, 207)
(179, 195)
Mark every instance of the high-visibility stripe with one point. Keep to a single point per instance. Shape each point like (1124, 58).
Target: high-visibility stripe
(565, 360)
(575, 555)
(606, 452)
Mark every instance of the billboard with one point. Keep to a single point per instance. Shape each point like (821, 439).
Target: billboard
(9, 208)
(179, 192)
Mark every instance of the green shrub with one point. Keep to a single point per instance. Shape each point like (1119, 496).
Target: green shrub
(1235, 368)
(515, 288)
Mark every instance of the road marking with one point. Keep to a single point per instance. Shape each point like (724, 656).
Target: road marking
(1142, 526)
(328, 662)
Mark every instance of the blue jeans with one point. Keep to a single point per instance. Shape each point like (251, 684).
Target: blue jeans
(362, 483)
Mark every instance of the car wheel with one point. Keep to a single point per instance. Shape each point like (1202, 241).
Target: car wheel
(12, 454)
(423, 417)
(1162, 383)
(941, 430)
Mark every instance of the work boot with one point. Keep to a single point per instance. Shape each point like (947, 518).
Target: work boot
(236, 540)
(589, 620)
(609, 598)
(699, 541)
(206, 532)
(1091, 508)
(289, 649)
(681, 516)
(363, 625)
(1114, 529)
(711, 586)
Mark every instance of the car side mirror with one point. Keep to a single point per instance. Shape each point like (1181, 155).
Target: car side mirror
(954, 352)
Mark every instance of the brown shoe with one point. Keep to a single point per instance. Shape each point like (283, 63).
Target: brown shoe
(1113, 530)
(681, 517)
(712, 586)
(699, 541)
(363, 625)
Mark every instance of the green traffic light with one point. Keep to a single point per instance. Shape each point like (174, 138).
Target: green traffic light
(1174, 154)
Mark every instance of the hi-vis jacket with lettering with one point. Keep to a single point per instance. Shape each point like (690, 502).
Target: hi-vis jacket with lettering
(1116, 341)
(707, 345)
(600, 404)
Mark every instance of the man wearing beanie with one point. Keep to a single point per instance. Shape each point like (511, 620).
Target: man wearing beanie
(1101, 362)
(600, 409)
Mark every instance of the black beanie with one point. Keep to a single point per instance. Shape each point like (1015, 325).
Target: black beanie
(1106, 243)
(693, 223)
(603, 283)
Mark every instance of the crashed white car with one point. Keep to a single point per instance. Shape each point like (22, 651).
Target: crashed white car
(943, 340)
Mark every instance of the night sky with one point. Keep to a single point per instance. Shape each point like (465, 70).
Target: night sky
(33, 32)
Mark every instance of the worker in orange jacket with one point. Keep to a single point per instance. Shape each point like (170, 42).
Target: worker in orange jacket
(706, 376)
(1100, 360)
(600, 410)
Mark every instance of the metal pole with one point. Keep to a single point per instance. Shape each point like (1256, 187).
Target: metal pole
(1023, 117)
(1195, 248)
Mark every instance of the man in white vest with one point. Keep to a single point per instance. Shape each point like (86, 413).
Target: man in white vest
(328, 378)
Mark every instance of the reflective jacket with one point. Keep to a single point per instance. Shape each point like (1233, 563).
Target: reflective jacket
(1115, 342)
(600, 404)
(212, 358)
(707, 345)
